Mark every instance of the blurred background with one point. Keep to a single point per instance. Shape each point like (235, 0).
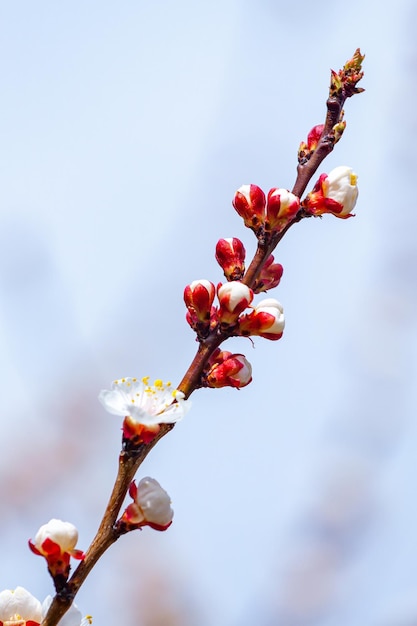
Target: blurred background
(125, 129)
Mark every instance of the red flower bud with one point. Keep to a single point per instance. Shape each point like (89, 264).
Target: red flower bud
(270, 276)
(198, 298)
(228, 370)
(249, 202)
(230, 255)
(306, 149)
(281, 208)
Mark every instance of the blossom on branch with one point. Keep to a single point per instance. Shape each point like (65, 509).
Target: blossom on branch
(228, 370)
(19, 608)
(234, 297)
(282, 206)
(270, 275)
(198, 298)
(144, 406)
(230, 255)
(249, 202)
(334, 193)
(306, 150)
(56, 541)
(266, 320)
(151, 506)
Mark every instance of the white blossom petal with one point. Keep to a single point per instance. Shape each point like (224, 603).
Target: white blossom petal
(144, 403)
(19, 604)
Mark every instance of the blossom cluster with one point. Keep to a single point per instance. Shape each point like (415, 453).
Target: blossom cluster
(234, 313)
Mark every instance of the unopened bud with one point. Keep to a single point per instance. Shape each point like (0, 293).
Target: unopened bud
(228, 370)
(199, 296)
(56, 541)
(151, 506)
(270, 276)
(230, 255)
(249, 202)
(334, 193)
(338, 130)
(234, 297)
(306, 149)
(282, 207)
(266, 320)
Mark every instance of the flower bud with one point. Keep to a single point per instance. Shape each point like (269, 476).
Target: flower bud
(234, 297)
(266, 320)
(334, 193)
(343, 83)
(281, 208)
(249, 202)
(151, 506)
(198, 298)
(270, 276)
(230, 255)
(228, 370)
(56, 541)
(306, 149)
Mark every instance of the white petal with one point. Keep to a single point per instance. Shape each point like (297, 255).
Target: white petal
(19, 602)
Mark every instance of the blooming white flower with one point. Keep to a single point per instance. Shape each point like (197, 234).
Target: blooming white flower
(145, 404)
(19, 607)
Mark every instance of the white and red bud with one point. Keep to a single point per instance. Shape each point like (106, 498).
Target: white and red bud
(270, 275)
(230, 255)
(198, 298)
(249, 202)
(56, 541)
(282, 206)
(266, 320)
(151, 506)
(234, 297)
(228, 370)
(334, 193)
